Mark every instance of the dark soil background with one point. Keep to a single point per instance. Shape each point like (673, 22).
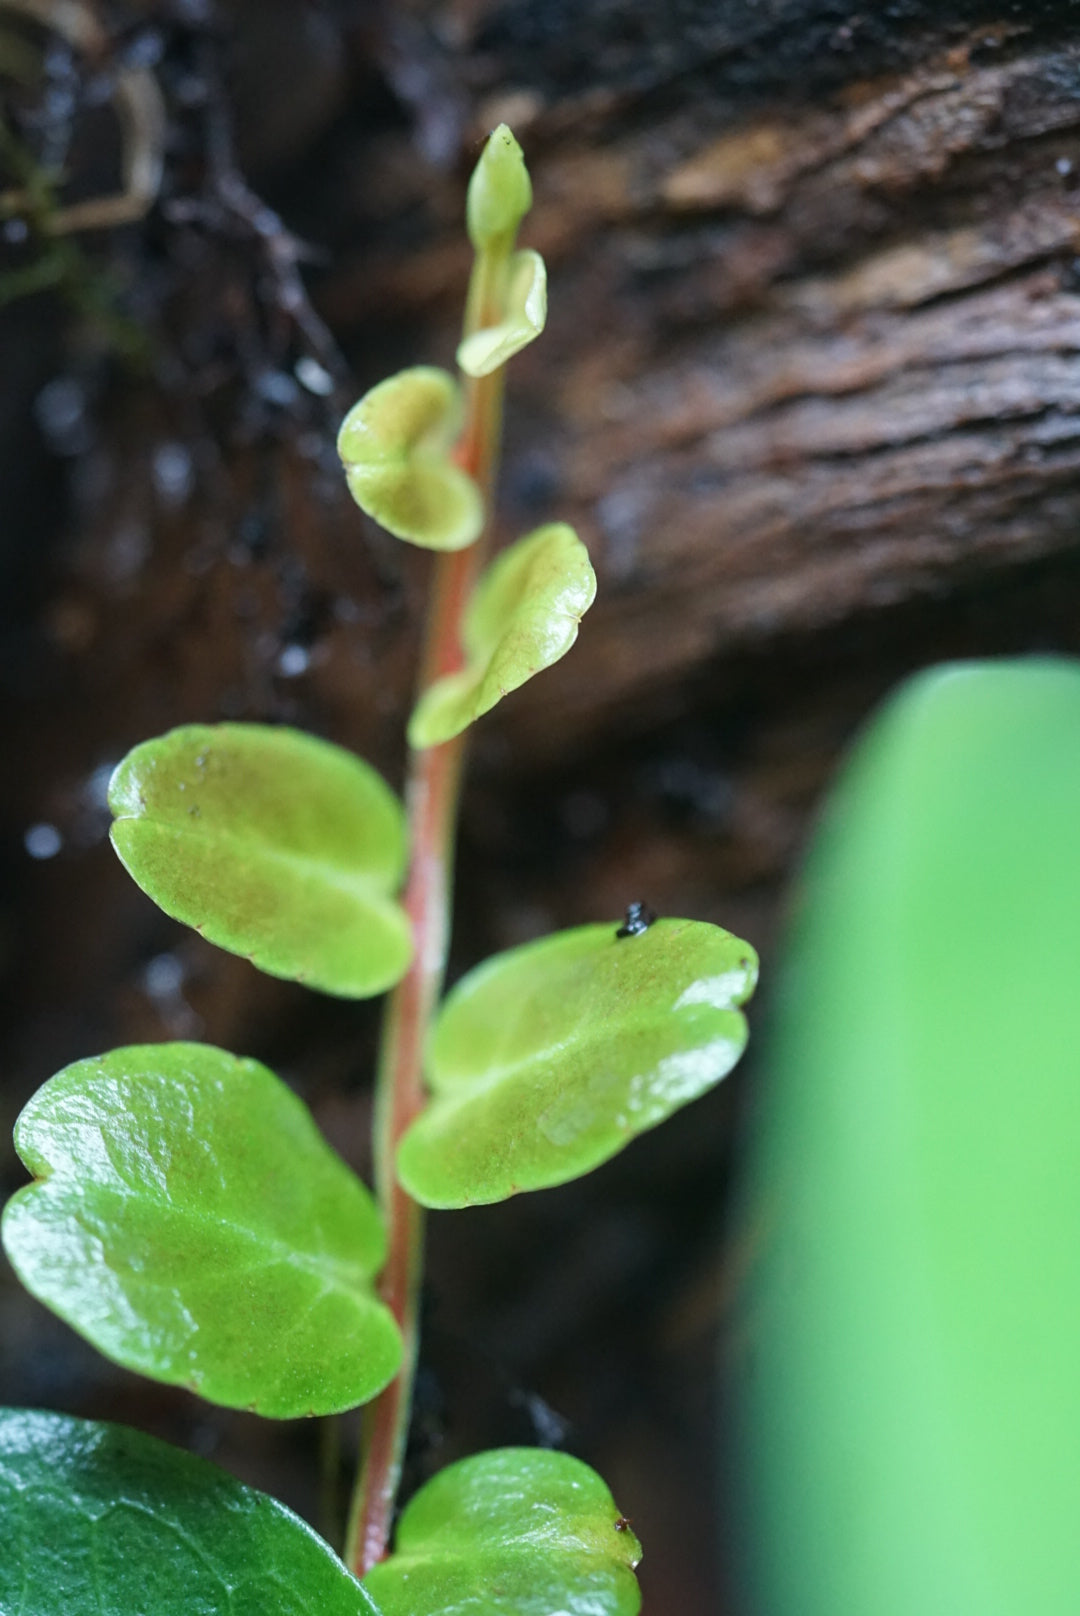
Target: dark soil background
(809, 391)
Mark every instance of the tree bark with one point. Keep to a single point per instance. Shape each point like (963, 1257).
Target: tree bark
(814, 341)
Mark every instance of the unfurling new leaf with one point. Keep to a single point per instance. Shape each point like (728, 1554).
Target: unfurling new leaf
(274, 845)
(523, 316)
(192, 1223)
(99, 1519)
(523, 616)
(395, 445)
(515, 1532)
(548, 1059)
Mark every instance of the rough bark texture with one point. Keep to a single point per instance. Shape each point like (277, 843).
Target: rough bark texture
(810, 390)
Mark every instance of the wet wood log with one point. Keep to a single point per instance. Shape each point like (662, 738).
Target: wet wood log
(814, 342)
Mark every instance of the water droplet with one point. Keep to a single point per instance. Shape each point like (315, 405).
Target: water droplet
(173, 472)
(315, 377)
(163, 976)
(43, 841)
(277, 388)
(60, 408)
(96, 789)
(293, 661)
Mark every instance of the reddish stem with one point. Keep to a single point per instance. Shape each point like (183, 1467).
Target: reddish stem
(432, 795)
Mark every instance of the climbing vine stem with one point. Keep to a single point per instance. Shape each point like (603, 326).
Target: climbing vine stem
(432, 797)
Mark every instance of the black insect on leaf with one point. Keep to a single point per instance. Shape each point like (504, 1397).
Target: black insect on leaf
(639, 917)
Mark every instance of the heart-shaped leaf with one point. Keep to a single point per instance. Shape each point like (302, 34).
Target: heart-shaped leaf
(98, 1520)
(546, 1060)
(500, 191)
(192, 1223)
(274, 845)
(524, 315)
(516, 1532)
(395, 446)
(523, 617)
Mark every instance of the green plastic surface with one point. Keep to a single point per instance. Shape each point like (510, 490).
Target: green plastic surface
(515, 1532)
(190, 1220)
(98, 1520)
(546, 1060)
(523, 617)
(395, 445)
(911, 1388)
(274, 845)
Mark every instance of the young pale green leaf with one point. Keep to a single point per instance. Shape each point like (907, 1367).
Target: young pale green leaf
(274, 845)
(500, 191)
(191, 1222)
(524, 317)
(523, 617)
(546, 1060)
(395, 446)
(516, 1532)
(98, 1520)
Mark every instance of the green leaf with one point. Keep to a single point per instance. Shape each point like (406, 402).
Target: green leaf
(192, 1223)
(98, 1520)
(516, 1532)
(523, 617)
(524, 305)
(546, 1060)
(274, 845)
(500, 191)
(911, 1316)
(395, 446)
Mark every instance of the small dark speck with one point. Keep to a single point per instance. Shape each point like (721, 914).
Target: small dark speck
(622, 1524)
(639, 917)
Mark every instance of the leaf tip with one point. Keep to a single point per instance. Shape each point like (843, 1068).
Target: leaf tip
(500, 191)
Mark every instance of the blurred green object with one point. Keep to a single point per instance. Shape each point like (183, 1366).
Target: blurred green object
(909, 1359)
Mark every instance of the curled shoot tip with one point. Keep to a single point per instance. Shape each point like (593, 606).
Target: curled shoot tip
(500, 191)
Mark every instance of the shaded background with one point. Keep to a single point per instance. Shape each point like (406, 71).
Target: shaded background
(809, 391)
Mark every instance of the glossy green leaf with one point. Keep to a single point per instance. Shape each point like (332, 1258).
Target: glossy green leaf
(910, 1328)
(190, 1220)
(500, 191)
(524, 304)
(395, 445)
(274, 845)
(516, 1532)
(98, 1520)
(546, 1060)
(523, 617)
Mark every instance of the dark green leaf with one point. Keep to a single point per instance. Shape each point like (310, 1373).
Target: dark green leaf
(523, 617)
(547, 1060)
(517, 1532)
(274, 845)
(190, 1220)
(97, 1520)
(395, 445)
(912, 1314)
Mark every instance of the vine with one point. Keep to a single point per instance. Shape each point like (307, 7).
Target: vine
(186, 1216)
